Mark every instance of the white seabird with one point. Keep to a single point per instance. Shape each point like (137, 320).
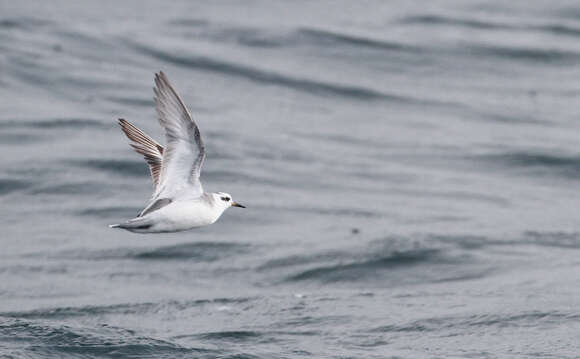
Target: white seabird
(178, 202)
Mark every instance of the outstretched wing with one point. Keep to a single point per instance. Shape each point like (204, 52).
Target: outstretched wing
(146, 146)
(184, 150)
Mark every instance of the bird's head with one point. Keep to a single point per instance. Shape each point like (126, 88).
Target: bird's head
(225, 200)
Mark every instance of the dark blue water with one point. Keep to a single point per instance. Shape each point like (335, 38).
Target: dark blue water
(411, 172)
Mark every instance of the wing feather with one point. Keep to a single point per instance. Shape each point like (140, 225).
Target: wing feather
(184, 151)
(146, 146)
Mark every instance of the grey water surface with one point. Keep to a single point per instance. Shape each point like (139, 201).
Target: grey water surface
(411, 172)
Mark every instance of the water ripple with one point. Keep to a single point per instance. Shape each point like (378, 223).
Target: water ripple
(54, 123)
(320, 37)
(435, 20)
(119, 167)
(536, 162)
(521, 54)
(445, 20)
(11, 185)
(357, 270)
(118, 309)
(262, 76)
(22, 23)
(199, 251)
(63, 341)
(460, 323)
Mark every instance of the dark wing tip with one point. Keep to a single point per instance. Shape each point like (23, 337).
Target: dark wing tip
(125, 125)
(160, 77)
(162, 80)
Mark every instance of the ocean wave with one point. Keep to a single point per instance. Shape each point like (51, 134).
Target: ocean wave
(523, 54)
(522, 319)
(199, 251)
(269, 77)
(220, 33)
(513, 53)
(258, 337)
(239, 176)
(22, 23)
(539, 163)
(435, 20)
(24, 269)
(52, 339)
(19, 138)
(132, 101)
(511, 118)
(54, 123)
(189, 22)
(432, 19)
(110, 212)
(119, 309)
(13, 185)
(69, 188)
(463, 196)
(280, 37)
(294, 260)
(236, 336)
(558, 29)
(318, 37)
(333, 211)
(205, 251)
(119, 167)
(553, 239)
(394, 261)
(355, 271)
(433, 258)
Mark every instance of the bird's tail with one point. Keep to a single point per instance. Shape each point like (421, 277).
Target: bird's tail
(134, 225)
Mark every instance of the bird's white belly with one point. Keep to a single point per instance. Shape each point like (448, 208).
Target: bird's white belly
(181, 216)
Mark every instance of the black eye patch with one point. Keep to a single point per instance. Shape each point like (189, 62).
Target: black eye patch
(225, 199)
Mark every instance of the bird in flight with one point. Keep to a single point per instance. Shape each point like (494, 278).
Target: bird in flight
(178, 202)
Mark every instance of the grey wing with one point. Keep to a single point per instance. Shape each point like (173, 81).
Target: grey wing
(146, 146)
(184, 151)
(154, 206)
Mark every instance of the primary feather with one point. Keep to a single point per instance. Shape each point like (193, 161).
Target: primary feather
(146, 146)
